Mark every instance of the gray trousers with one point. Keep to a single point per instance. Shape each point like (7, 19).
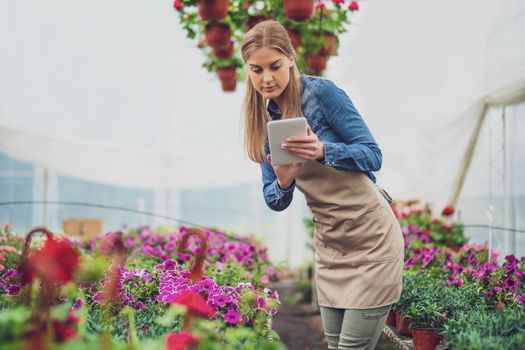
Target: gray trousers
(353, 329)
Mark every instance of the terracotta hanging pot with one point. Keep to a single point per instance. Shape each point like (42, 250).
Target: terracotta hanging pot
(425, 338)
(253, 20)
(403, 325)
(330, 44)
(316, 63)
(298, 10)
(228, 85)
(228, 77)
(218, 34)
(391, 319)
(223, 53)
(294, 38)
(212, 10)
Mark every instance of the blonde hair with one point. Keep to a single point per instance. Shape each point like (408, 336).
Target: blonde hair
(270, 34)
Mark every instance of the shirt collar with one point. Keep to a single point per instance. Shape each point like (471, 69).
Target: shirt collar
(273, 108)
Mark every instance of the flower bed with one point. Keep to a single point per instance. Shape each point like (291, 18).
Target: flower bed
(465, 296)
(139, 290)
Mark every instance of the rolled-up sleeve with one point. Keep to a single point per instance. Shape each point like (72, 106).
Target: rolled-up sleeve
(276, 198)
(359, 151)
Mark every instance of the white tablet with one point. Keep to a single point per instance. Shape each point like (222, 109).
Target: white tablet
(278, 132)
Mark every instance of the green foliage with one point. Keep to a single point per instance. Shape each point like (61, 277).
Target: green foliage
(428, 301)
(486, 330)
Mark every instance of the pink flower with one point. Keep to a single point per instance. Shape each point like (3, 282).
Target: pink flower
(232, 316)
(320, 5)
(270, 271)
(178, 5)
(265, 279)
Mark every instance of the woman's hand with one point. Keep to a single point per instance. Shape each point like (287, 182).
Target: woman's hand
(285, 173)
(306, 147)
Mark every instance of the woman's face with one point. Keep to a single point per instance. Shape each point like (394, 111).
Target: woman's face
(269, 71)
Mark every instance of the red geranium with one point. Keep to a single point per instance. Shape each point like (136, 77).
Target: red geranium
(354, 6)
(56, 261)
(447, 211)
(64, 330)
(195, 304)
(178, 5)
(180, 341)
(338, 2)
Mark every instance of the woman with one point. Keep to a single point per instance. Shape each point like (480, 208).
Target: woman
(358, 241)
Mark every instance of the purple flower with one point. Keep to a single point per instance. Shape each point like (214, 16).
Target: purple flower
(511, 283)
(13, 291)
(10, 273)
(77, 304)
(232, 316)
(139, 305)
(169, 265)
(261, 303)
(97, 298)
(220, 300)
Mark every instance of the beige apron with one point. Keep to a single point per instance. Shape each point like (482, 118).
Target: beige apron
(359, 248)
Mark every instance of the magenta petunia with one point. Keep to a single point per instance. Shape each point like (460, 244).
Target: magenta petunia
(232, 316)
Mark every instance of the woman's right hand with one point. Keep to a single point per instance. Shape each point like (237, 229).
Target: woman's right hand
(285, 173)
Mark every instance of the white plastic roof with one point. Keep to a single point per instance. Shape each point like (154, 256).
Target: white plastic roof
(112, 91)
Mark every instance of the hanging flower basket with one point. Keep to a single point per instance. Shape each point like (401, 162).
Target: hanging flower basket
(223, 53)
(218, 34)
(316, 63)
(425, 338)
(254, 20)
(228, 78)
(212, 10)
(329, 46)
(298, 10)
(294, 38)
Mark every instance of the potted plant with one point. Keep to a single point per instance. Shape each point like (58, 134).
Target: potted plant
(228, 71)
(298, 10)
(224, 52)
(319, 36)
(212, 10)
(426, 319)
(218, 34)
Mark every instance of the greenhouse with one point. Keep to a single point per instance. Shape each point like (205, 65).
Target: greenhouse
(262, 174)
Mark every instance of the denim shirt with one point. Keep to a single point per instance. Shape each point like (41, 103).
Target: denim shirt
(348, 143)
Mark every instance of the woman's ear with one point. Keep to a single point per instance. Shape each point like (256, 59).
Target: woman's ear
(291, 59)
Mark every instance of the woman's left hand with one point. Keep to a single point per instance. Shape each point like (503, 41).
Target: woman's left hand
(306, 147)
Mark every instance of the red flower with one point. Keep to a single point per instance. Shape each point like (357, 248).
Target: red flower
(435, 221)
(320, 6)
(354, 6)
(180, 341)
(447, 211)
(246, 5)
(64, 330)
(336, 2)
(195, 304)
(444, 315)
(56, 261)
(178, 5)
